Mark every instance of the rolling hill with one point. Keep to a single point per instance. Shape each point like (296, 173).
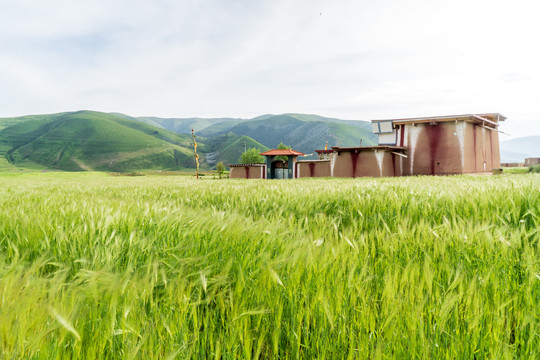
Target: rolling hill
(88, 140)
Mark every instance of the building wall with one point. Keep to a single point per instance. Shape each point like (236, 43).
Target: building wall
(367, 163)
(532, 161)
(246, 172)
(450, 148)
(482, 149)
(313, 169)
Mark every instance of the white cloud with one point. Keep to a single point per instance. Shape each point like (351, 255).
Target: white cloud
(351, 59)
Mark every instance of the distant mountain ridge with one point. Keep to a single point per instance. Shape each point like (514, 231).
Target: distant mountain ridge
(516, 150)
(302, 132)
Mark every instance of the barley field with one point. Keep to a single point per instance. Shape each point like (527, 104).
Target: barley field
(94, 266)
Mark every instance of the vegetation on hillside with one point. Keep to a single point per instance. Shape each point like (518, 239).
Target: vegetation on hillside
(162, 267)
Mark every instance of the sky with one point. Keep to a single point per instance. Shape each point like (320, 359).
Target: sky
(357, 59)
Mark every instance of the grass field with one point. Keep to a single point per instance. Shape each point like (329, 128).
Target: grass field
(164, 267)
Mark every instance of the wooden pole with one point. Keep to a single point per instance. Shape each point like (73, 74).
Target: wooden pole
(195, 149)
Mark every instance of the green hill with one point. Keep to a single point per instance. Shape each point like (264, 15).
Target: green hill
(88, 140)
(228, 148)
(304, 133)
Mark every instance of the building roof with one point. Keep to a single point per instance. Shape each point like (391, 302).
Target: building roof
(324, 151)
(313, 161)
(370, 148)
(243, 165)
(282, 152)
(491, 119)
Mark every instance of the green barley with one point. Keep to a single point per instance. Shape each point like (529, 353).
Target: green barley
(93, 266)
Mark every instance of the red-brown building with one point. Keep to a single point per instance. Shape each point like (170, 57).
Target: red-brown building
(440, 145)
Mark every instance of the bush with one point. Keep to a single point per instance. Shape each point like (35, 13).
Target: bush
(251, 156)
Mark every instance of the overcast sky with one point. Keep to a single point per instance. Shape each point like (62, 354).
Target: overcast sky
(363, 59)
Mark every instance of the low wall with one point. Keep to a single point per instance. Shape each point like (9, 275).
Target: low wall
(367, 162)
(313, 168)
(247, 172)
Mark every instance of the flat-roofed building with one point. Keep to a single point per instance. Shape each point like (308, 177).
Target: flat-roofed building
(439, 145)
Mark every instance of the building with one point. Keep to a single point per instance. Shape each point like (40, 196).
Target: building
(372, 161)
(276, 168)
(439, 145)
(532, 161)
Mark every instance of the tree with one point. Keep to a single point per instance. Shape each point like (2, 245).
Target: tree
(220, 168)
(281, 146)
(251, 156)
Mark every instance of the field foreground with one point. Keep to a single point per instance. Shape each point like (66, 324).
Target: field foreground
(94, 266)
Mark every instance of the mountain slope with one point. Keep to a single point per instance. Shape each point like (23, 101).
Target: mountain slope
(87, 140)
(228, 148)
(304, 133)
(516, 150)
